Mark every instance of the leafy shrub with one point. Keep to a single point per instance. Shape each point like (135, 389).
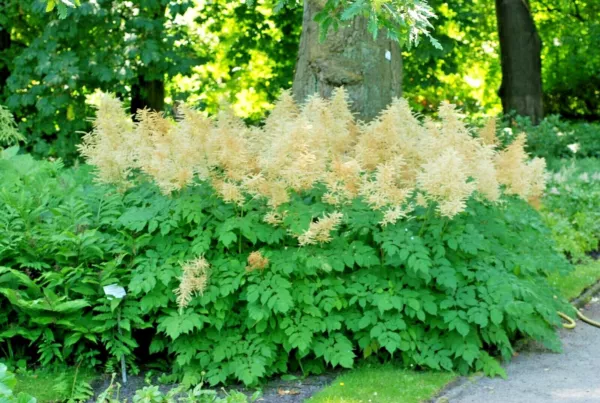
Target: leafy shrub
(556, 138)
(8, 128)
(53, 234)
(330, 276)
(570, 207)
(7, 384)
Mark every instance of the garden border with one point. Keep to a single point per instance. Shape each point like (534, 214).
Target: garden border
(456, 387)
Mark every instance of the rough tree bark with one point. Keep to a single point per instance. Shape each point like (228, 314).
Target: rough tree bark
(370, 70)
(5, 43)
(520, 49)
(147, 94)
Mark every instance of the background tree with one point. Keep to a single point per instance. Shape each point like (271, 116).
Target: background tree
(520, 51)
(363, 53)
(571, 61)
(248, 56)
(242, 54)
(106, 45)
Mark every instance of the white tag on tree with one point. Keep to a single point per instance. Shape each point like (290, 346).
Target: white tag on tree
(115, 291)
(388, 55)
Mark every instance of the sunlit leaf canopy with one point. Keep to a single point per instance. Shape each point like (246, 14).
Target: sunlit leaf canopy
(242, 54)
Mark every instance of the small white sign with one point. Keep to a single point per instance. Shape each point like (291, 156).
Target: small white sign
(115, 291)
(388, 55)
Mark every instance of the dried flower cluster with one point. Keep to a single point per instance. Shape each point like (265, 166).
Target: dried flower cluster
(256, 261)
(193, 281)
(393, 163)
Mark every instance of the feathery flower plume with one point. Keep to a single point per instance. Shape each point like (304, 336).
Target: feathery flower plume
(391, 163)
(446, 181)
(392, 215)
(274, 218)
(488, 133)
(193, 281)
(111, 145)
(320, 231)
(520, 176)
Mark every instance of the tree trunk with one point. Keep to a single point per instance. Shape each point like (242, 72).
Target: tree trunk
(147, 94)
(149, 89)
(520, 49)
(370, 70)
(5, 43)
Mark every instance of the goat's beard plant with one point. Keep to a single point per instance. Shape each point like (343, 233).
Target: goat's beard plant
(394, 236)
(392, 163)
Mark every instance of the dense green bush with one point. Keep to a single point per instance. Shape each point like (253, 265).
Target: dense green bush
(570, 206)
(433, 292)
(7, 384)
(556, 138)
(52, 235)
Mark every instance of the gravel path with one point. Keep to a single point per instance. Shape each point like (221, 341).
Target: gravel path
(544, 377)
(276, 391)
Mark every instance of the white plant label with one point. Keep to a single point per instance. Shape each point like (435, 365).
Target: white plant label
(388, 55)
(115, 291)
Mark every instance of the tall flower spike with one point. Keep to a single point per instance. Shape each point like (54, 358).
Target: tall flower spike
(320, 231)
(488, 133)
(193, 281)
(392, 162)
(112, 144)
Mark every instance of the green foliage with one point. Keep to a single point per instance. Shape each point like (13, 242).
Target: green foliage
(73, 387)
(466, 70)
(154, 394)
(432, 293)
(61, 6)
(403, 21)
(583, 277)
(570, 207)
(555, 138)
(56, 383)
(56, 64)
(8, 382)
(52, 239)
(8, 128)
(246, 50)
(571, 66)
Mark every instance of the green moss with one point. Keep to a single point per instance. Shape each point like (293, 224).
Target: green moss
(573, 284)
(384, 383)
(51, 385)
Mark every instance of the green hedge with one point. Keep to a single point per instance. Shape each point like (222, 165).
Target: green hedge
(430, 292)
(570, 206)
(556, 138)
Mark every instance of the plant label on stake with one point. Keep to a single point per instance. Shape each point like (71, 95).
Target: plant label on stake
(116, 292)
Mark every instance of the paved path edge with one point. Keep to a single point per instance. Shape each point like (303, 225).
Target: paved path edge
(456, 387)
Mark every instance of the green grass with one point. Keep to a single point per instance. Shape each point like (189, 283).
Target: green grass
(574, 283)
(42, 384)
(383, 384)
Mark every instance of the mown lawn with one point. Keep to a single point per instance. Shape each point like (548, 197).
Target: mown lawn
(582, 277)
(384, 384)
